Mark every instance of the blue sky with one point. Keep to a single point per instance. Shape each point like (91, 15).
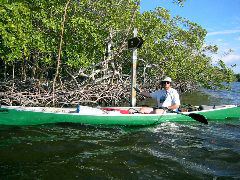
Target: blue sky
(221, 19)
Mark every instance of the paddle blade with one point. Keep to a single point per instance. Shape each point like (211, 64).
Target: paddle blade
(198, 117)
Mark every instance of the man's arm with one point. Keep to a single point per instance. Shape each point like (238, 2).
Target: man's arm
(176, 102)
(144, 93)
(174, 106)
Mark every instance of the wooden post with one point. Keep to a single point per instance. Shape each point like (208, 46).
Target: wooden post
(109, 50)
(134, 73)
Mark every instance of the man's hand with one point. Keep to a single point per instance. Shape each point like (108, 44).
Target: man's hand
(137, 89)
(166, 109)
(143, 93)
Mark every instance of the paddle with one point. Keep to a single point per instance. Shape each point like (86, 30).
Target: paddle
(198, 117)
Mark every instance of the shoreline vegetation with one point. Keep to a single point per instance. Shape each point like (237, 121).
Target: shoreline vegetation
(34, 92)
(77, 52)
(237, 77)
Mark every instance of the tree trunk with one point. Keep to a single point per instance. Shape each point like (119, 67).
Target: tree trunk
(60, 50)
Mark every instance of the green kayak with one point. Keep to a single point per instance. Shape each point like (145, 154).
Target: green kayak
(20, 116)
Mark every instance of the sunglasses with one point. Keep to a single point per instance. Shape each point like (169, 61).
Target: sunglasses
(165, 82)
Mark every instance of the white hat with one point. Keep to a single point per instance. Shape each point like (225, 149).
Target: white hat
(167, 79)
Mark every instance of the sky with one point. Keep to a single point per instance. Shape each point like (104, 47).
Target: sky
(221, 19)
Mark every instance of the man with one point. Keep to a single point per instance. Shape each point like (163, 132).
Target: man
(167, 99)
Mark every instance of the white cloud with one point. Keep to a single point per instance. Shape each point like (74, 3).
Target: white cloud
(231, 58)
(219, 40)
(223, 32)
(225, 43)
(228, 59)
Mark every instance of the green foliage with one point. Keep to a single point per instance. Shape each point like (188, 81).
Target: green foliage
(14, 31)
(30, 33)
(237, 77)
(176, 45)
(31, 29)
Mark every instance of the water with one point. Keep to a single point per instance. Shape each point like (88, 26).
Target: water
(166, 151)
(214, 97)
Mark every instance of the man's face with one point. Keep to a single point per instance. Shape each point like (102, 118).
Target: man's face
(166, 84)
